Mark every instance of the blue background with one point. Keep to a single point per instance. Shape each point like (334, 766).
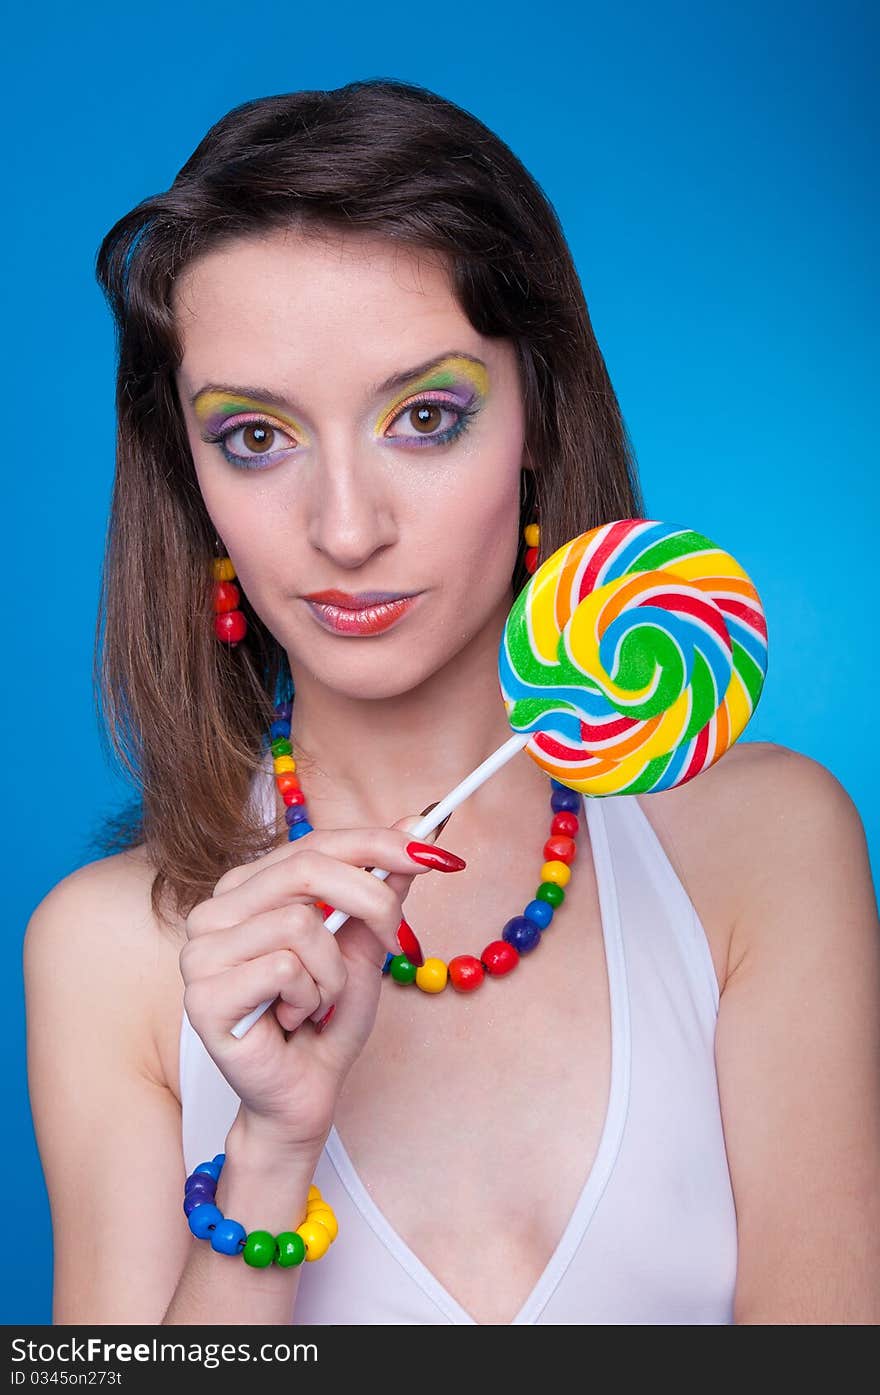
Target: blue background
(710, 165)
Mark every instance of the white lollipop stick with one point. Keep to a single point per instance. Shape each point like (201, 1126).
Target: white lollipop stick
(424, 826)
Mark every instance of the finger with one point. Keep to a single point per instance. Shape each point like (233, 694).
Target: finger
(216, 1003)
(361, 847)
(292, 927)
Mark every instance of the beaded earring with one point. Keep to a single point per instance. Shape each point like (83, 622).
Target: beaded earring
(532, 535)
(230, 623)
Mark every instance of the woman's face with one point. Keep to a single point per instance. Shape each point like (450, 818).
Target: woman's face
(329, 475)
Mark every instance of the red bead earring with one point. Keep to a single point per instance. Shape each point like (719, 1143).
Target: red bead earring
(230, 624)
(532, 535)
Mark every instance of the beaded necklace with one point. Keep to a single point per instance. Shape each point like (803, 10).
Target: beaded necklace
(520, 935)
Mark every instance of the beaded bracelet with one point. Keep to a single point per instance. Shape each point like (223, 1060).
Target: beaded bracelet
(309, 1241)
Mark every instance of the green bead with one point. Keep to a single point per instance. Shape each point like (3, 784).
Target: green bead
(291, 1248)
(259, 1249)
(549, 891)
(402, 969)
(281, 747)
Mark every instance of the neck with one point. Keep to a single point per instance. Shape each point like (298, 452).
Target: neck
(370, 762)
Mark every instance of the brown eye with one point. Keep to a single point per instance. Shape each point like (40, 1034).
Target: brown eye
(425, 417)
(258, 436)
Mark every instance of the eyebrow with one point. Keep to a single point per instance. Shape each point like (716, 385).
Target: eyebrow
(265, 394)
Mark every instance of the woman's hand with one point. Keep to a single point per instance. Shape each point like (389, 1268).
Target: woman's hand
(259, 936)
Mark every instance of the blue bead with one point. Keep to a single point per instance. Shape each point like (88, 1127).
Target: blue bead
(387, 964)
(562, 801)
(203, 1186)
(202, 1219)
(296, 813)
(541, 912)
(558, 785)
(523, 934)
(228, 1238)
(279, 728)
(284, 710)
(219, 1159)
(299, 830)
(210, 1168)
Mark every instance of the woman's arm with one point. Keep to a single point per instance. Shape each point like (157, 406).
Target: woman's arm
(798, 1050)
(109, 1130)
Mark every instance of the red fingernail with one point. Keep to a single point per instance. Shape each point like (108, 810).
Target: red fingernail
(406, 938)
(319, 1026)
(438, 859)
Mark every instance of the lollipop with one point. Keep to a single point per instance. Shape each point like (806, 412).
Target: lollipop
(634, 658)
(631, 661)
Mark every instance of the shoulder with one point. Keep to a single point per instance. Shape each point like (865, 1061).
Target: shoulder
(96, 930)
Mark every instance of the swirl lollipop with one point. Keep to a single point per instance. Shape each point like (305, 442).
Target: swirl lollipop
(631, 661)
(634, 658)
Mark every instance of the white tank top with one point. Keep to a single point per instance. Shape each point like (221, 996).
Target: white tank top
(652, 1237)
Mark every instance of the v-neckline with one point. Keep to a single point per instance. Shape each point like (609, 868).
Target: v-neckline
(609, 1141)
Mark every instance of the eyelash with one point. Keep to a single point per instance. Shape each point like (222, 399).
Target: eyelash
(248, 462)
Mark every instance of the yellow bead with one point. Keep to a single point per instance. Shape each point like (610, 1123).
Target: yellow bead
(325, 1217)
(314, 1193)
(532, 534)
(558, 872)
(316, 1203)
(316, 1237)
(432, 975)
(283, 763)
(222, 569)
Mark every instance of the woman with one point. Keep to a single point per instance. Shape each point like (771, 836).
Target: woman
(355, 357)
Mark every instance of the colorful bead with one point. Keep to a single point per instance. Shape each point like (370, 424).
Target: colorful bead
(284, 710)
(279, 728)
(402, 970)
(202, 1219)
(531, 560)
(565, 800)
(431, 976)
(231, 626)
(465, 973)
(558, 872)
(566, 823)
(325, 1217)
(389, 959)
(286, 780)
(284, 765)
(260, 1249)
(561, 848)
(295, 813)
(207, 1169)
(499, 958)
(541, 912)
(316, 1237)
(551, 892)
(293, 796)
(522, 933)
(314, 1194)
(226, 596)
(281, 747)
(532, 534)
(222, 569)
(228, 1237)
(194, 1199)
(291, 1249)
(299, 830)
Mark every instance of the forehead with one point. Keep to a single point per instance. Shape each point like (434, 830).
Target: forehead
(291, 277)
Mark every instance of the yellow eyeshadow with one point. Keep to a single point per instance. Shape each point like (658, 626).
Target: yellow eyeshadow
(447, 374)
(219, 405)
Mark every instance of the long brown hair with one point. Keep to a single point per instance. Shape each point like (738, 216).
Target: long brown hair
(184, 714)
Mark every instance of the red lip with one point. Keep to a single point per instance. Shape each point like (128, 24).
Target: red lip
(369, 620)
(358, 600)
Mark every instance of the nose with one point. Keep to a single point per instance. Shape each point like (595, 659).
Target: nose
(350, 517)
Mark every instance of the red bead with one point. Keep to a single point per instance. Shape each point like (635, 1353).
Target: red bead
(293, 796)
(531, 559)
(560, 849)
(465, 973)
(499, 958)
(231, 626)
(226, 595)
(566, 823)
(287, 780)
